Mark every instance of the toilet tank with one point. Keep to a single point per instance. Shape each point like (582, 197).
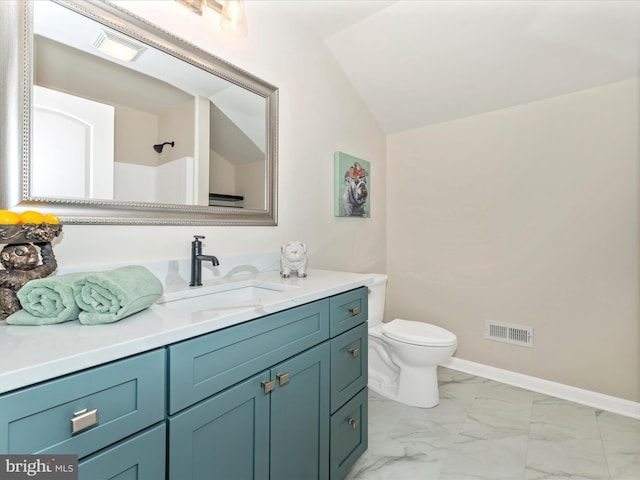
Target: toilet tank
(377, 292)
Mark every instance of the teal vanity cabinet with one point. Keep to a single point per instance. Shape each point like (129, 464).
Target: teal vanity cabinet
(256, 400)
(280, 397)
(97, 414)
(349, 376)
(249, 434)
(141, 457)
(254, 422)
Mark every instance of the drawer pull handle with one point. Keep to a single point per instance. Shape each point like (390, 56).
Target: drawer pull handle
(83, 419)
(354, 422)
(355, 352)
(268, 386)
(354, 311)
(283, 378)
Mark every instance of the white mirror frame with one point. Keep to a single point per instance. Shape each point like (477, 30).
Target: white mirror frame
(16, 46)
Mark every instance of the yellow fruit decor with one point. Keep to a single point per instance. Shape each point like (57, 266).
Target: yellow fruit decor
(29, 226)
(51, 218)
(8, 217)
(31, 217)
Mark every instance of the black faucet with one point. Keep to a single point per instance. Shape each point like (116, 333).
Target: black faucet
(196, 261)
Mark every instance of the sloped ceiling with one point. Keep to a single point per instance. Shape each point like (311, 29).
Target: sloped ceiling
(230, 141)
(420, 62)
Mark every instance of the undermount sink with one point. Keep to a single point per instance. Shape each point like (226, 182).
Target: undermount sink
(229, 295)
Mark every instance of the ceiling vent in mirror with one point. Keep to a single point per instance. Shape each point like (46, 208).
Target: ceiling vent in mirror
(118, 46)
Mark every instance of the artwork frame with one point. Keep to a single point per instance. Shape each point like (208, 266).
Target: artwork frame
(352, 178)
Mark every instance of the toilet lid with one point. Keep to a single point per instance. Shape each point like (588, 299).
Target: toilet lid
(418, 333)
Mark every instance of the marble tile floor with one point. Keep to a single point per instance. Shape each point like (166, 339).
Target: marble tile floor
(485, 430)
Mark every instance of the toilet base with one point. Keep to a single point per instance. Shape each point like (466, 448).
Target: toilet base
(418, 388)
(406, 373)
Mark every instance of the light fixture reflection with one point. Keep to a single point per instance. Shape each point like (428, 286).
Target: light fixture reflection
(233, 19)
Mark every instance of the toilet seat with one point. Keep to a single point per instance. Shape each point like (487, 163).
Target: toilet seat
(418, 333)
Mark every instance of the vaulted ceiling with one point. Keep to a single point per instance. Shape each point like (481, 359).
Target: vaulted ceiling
(420, 62)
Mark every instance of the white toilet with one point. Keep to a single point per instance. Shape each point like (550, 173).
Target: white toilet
(403, 354)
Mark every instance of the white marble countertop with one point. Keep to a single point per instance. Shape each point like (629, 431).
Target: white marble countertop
(31, 354)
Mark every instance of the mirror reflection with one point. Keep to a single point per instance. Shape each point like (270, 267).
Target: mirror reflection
(147, 127)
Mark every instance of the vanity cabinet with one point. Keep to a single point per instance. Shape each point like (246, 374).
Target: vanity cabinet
(203, 366)
(278, 422)
(252, 432)
(349, 376)
(86, 412)
(272, 424)
(279, 397)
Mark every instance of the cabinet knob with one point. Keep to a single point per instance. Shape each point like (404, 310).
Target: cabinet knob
(268, 386)
(283, 378)
(355, 352)
(354, 422)
(83, 419)
(354, 311)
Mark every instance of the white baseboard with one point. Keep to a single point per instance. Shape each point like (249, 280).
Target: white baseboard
(559, 390)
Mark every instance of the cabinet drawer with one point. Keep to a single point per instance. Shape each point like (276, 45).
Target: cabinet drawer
(349, 372)
(201, 367)
(128, 396)
(348, 310)
(348, 435)
(141, 458)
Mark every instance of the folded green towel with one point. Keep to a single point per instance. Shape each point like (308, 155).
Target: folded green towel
(46, 301)
(106, 297)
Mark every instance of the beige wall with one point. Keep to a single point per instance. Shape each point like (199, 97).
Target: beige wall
(136, 133)
(249, 180)
(176, 125)
(526, 215)
(245, 179)
(222, 175)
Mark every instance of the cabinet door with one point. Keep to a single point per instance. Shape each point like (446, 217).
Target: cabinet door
(138, 458)
(300, 416)
(225, 437)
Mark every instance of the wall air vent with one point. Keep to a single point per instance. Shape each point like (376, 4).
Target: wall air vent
(509, 333)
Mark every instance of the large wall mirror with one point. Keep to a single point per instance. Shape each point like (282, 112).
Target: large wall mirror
(166, 134)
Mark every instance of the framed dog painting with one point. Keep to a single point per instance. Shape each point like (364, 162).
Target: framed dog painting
(351, 186)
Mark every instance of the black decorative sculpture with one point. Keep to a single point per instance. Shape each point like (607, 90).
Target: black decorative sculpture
(20, 257)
